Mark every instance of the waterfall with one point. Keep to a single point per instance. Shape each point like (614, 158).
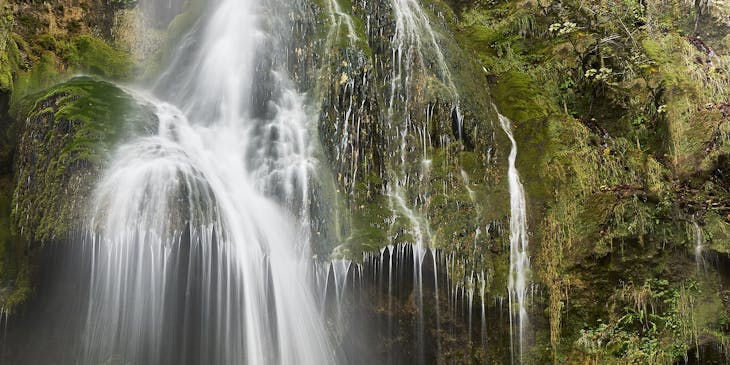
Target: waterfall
(699, 239)
(200, 230)
(519, 263)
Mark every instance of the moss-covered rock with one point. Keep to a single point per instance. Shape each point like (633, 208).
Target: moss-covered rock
(68, 134)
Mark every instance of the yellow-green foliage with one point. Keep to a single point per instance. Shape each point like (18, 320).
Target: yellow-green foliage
(718, 232)
(6, 54)
(693, 89)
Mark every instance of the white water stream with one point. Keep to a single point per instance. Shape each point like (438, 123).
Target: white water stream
(699, 240)
(519, 263)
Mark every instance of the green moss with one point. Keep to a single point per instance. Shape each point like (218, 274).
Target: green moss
(689, 87)
(369, 227)
(93, 55)
(7, 54)
(57, 59)
(85, 53)
(602, 160)
(518, 97)
(339, 37)
(6, 68)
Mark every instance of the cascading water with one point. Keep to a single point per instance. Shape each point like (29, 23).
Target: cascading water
(385, 280)
(699, 238)
(519, 259)
(200, 231)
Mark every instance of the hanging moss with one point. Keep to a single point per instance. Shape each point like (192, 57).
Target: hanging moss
(59, 58)
(42, 75)
(369, 227)
(8, 52)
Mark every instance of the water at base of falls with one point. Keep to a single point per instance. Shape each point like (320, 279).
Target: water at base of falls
(378, 306)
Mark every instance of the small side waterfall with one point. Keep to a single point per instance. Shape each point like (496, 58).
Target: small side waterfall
(699, 240)
(519, 266)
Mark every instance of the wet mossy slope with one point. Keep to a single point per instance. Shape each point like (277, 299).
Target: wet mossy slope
(622, 115)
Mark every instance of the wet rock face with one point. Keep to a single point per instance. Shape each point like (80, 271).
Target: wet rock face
(416, 159)
(396, 124)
